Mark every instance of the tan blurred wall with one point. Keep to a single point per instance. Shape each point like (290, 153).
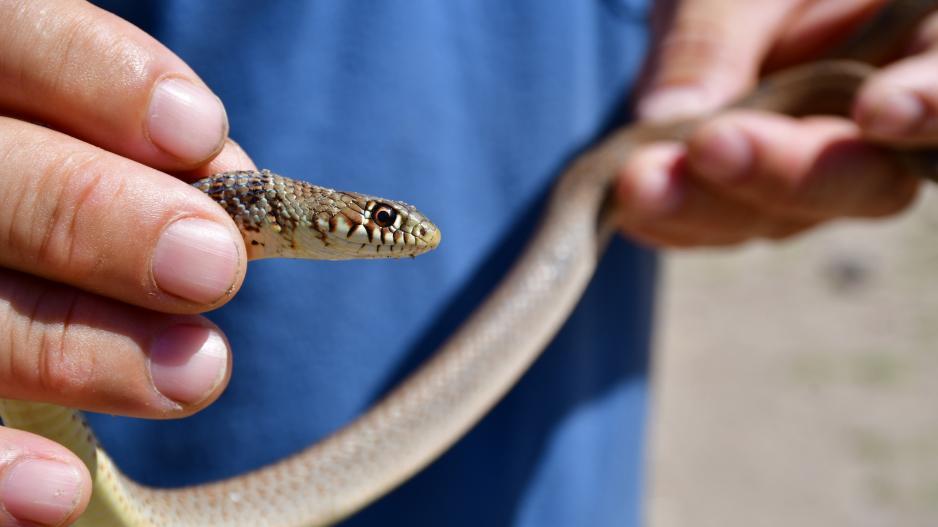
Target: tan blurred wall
(797, 384)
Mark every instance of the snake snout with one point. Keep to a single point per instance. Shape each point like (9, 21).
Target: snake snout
(421, 234)
(433, 237)
(427, 237)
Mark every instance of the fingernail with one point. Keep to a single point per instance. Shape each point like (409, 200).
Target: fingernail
(41, 491)
(672, 103)
(188, 362)
(186, 120)
(197, 260)
(721, 152)
(895, 113)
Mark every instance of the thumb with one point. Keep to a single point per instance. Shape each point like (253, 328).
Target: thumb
(708, 52)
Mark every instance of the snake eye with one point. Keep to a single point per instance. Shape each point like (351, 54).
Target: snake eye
(384, 215)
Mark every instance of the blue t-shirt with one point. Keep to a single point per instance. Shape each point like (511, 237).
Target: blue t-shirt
(469, 109)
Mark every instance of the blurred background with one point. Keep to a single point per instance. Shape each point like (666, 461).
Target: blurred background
(797, 383)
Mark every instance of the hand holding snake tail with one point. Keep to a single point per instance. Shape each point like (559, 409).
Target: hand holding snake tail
(444, 398)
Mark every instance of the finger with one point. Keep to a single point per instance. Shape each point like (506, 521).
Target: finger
(655, 189)
(69, 347)
(75, 214)
(696, 214)
(710, 51)
(807, 169)
(926, 36)
(899, 104)
(650, 184)
(90, 74)
(41, 482)
(817, 27)
(675, 236)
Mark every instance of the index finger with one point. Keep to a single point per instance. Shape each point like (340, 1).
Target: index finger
(97, 77)
(78, 215)
(899, 104)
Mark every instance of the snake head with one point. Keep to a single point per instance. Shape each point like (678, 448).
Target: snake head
(281, 217)
(369, 227)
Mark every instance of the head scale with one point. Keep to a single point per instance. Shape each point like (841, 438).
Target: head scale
(369, 227)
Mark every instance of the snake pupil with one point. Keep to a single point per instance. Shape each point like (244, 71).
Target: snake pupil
(384, 216)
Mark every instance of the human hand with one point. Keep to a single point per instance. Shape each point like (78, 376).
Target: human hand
(105, 259)
(747, 174)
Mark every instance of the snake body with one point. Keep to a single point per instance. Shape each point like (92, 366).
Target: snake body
(446, 396)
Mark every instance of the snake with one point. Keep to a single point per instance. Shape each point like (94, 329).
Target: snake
(437, 404)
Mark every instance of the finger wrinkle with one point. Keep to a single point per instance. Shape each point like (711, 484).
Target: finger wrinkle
(54, 35)
(42, 323)
(20, 196)
(27, 305)
(52, 365)
(14, 202)
(53, 218)
(71, 35)
(55, 177)
(72, 230)
(84, 193)
(80, 183)
(133, 62)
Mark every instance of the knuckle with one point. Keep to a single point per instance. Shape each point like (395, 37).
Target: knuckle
(74, 37)
(126, 56)
(64, 42)
(58, 207)
(60, 222)
(40, 350)
(14, 194)
(56, 370)
(50, 374)
(691, 44)
(62, 35)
